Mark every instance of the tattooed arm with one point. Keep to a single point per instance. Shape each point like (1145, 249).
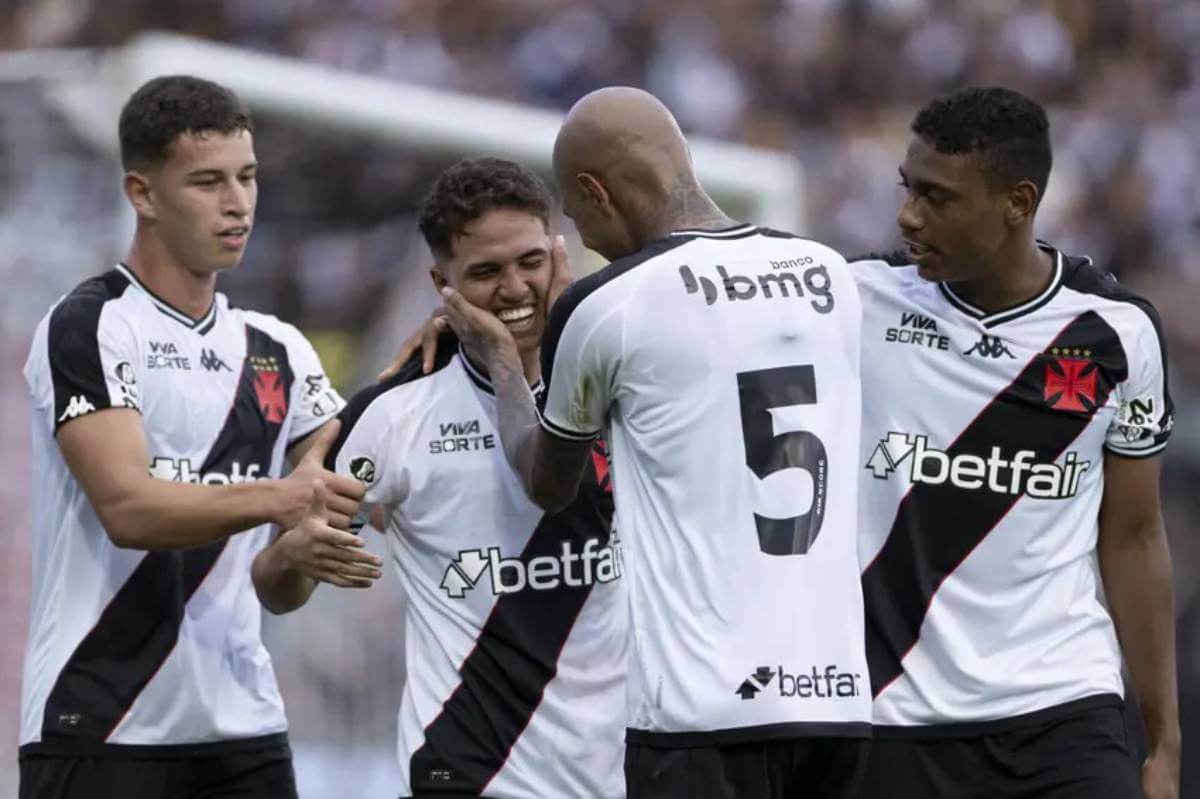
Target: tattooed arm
(550, 468)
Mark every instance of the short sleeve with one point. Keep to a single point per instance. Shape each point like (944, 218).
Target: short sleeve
(316, 401)
(581, 354)
(92, 359)
(368, 447)
(1145, 414)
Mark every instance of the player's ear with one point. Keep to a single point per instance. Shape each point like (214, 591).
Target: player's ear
(137, 189)
(1022, 202)
(438, 277)
(593, 190)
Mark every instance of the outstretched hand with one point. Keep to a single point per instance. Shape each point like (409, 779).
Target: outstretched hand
(344, 492)
(327, 555)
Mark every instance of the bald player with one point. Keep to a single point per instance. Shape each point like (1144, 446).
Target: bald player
(720, 360)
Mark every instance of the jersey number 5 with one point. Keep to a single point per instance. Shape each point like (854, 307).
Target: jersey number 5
(766, 453)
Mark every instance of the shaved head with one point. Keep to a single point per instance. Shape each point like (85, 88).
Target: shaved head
(621, 129)
(625, 172)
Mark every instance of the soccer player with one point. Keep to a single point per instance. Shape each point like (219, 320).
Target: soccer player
(516, 621)
(721, 359)
(1020, 477)
(160, 418)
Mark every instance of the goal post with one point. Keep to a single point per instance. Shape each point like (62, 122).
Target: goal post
(764, 185)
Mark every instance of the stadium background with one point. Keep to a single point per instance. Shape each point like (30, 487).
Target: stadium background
(831, 83)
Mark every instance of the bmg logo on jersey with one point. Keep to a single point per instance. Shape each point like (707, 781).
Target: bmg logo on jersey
(180, 470)
(827, 682)
(1016, 475)
(592, 564)
(813, 282)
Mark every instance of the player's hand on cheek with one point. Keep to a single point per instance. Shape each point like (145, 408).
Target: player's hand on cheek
(344, 492)
(327, 555)
(561, 276)
(423, 339)
(475, 327)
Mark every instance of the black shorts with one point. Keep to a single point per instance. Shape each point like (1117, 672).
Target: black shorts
(253, 773)
(1064, 753)
(794, 768)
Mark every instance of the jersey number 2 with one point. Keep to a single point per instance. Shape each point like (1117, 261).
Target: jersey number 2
(766, 453)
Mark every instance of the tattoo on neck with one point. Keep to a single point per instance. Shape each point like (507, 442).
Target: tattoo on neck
(687, 206)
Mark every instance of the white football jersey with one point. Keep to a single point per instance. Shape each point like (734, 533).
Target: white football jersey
(982, 468)
(724, 368)
(516, 621)
(161, 648)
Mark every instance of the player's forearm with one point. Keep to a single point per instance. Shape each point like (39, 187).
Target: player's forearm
(159, 514)
(1136, 569)
(280, 588)
(517, 421)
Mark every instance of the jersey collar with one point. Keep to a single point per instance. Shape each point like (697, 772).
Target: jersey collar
(479, 376)
(1008, 314)
(202, 325)
(735, 232)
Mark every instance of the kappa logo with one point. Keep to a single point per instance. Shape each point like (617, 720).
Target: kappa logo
(364, 469)
(78, 405)
(1014, 476)
(591, 564)
(989, 347)
(814, 281)
(212, 362)
(1071, 380)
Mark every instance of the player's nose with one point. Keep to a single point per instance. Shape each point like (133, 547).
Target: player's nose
(236, 200)
(908, 219)
(513, 285)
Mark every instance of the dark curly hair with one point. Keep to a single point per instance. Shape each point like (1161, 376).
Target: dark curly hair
(1009, 132)
(165, 108)
(471, 188)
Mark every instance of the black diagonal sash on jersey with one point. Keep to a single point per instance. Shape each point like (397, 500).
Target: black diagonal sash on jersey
(937, 526)
(515, 657)
(139, 628)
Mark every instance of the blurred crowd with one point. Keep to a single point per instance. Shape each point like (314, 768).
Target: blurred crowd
(833, 81)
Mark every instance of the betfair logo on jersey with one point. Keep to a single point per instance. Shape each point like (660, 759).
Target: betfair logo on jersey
(461, 437)
(180, 470)
(165, 355)
(813, 282)
(919, 331)
(592, 564)
(817, 682)
(1014, 476)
